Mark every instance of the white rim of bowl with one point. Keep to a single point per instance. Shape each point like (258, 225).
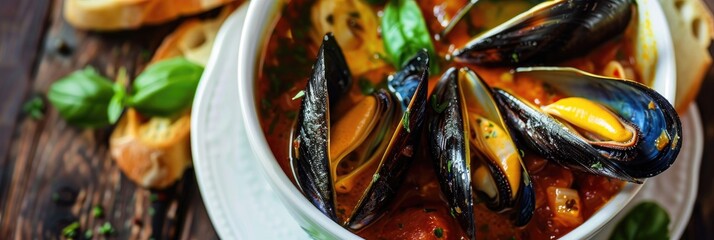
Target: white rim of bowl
(256, 31)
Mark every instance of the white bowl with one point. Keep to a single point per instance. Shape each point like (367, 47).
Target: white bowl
(260, 21)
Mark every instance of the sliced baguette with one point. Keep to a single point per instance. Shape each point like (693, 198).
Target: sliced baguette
(692, 28)
(154, 152)
(108, 15)
(193, 39)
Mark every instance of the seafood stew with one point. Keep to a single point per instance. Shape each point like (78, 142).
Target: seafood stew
(377, 133)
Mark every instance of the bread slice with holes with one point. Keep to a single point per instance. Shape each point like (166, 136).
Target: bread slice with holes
(154, 152)
(692, 28)
(193, 39)
(107, 15)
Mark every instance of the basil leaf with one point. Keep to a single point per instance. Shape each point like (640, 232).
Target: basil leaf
(405, 33)
(118, 101)
(645, 221)
(116, 104)
(166, 87)
(82, 98)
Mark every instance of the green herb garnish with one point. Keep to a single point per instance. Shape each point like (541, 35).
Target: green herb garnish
(647, 220)
(597, 166)
(118, 101)
(438, 232)
(153, 197)
(87, 99)
(106, 229)
(70, 231)
(300, 94)
(405, 121)
(166, 87)
(34, 107)
(405, 33)
(97, 211)
(82, 98)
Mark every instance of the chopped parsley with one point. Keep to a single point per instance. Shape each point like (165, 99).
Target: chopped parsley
(106, 229)
(405, 121)
(514, 57)
(438, 232)
(70, 231)
(153, 197)
(596, 166)
(34, 107)
(97, 211)
(300, 94)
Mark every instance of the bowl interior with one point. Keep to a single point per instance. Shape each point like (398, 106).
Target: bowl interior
(260, 21)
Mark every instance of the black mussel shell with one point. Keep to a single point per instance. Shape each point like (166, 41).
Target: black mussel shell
(549, 33)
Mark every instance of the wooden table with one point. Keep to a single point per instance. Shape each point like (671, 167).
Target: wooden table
(52, 174)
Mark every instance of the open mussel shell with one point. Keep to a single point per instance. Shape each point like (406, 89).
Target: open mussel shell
(474, 154)
(656, 125)
(410, 83)
(330, 78)
(389, 142)
(550, 32)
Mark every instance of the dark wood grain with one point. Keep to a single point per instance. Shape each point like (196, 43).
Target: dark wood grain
(23, 20)
(54, 174)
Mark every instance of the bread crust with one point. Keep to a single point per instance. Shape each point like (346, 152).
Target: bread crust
(154, 152)
(151, 157)
(692, 28)
(110, 15)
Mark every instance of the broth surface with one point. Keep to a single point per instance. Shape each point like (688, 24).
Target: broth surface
(419, 209)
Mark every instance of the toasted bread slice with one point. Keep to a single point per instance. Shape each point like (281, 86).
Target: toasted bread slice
(152, 152)
(107, 15)
(193, 39)
(692, 28)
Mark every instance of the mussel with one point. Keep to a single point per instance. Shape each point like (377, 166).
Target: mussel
(363, 151)
(474, 153)
(606, 126)
(548, 33)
